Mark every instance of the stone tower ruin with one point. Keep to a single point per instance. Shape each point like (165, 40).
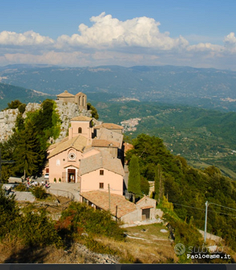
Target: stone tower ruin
(80, 99)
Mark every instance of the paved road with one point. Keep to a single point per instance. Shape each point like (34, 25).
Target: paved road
(62, 189)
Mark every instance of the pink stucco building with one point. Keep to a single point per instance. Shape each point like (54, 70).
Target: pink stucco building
(90, 156)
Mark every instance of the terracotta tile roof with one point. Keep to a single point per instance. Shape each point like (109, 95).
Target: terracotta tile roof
(101, 199)
(65, 94)
(77, 143)
(109, 126)
(147, 207)
(101, 160)
(108, 135)
(128, 147)
(81, 118)
(104, 143)
(52, 146)
(80, 93)
(147, 200)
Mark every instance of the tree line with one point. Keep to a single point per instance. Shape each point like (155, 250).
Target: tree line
(29, 142)
(185, 187)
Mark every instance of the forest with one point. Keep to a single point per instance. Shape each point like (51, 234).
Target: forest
(187, 188)
(203, 137)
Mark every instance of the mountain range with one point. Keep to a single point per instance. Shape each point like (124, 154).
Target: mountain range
(159, 94)
(11, 92)
(207, 88)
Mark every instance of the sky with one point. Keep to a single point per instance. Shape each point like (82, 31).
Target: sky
(193, 33)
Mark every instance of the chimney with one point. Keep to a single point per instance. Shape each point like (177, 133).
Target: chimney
(70, 133)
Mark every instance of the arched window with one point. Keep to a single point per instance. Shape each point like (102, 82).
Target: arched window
(79, 130)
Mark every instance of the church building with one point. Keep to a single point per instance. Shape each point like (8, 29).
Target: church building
(90, 155)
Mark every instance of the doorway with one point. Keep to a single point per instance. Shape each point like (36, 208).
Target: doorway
(146, 213)
(71, 175)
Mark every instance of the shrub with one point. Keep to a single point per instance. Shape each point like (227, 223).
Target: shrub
(186, 234)
(21, 187)
(31, 226)
(85, 218)
(21, 108)
(39, 192)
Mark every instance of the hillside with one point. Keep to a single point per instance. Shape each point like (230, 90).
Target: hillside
(203, 137)
(11, 92)
(187, 188)
(208, 88)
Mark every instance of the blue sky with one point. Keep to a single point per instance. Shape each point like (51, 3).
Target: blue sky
(89, 32)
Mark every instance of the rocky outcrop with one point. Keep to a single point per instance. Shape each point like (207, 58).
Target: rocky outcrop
(8, 120)
(66, 111)
(7, 123)
(97, 258)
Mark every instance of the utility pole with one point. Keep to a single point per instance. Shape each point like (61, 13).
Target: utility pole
(205, 230)
(207, 204)
(116, 212)
(109, 194)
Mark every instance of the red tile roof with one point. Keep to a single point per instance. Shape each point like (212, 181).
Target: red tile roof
(101, 199)
(109, 126)
(81, 118)
(65, 94)
(104, 143)
(128, 147)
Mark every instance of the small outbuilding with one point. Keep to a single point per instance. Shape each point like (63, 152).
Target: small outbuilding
(120, 208)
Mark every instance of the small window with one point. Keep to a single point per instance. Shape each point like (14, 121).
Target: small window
(79, 130)
(101, 172)
(72, 156)
(63, 159)
(101, 185)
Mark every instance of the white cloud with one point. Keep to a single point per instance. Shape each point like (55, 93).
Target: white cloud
(51, 57)
(205, 47)
(230, 40)
(107, 32)
(28, 38)
(137, 41)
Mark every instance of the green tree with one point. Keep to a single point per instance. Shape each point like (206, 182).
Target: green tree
(93, 110)
(134, 181)
(19, 126)
(159, 186)
(28, 154)
(151, 151)
(21, 108)
(13, 104)
(144, 185)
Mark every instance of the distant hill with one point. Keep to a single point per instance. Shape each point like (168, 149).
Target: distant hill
(207, 88)
(203, 137)
(11, 92)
